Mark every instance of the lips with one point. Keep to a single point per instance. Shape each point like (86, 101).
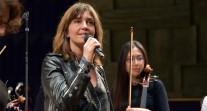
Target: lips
(83, 33)
(136, 69)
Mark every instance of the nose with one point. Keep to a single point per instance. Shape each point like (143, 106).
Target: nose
(84, 24)
(135, 61)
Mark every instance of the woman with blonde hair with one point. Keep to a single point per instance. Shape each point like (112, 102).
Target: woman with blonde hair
(72, 76)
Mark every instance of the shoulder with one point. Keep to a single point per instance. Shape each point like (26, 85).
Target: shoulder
(50, 54)
(157, 83)
(156, 87)
(52, 58)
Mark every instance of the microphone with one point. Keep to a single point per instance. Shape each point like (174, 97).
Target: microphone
(25, 15)
(98, 51)
(17, 88)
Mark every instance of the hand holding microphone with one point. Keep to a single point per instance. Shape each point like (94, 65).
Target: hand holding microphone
(97, 50)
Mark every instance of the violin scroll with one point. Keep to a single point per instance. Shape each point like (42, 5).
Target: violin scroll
(148, 69)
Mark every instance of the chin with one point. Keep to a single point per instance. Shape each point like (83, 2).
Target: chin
(135, 74)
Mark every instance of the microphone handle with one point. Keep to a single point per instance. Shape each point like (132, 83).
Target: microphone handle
(99, 52)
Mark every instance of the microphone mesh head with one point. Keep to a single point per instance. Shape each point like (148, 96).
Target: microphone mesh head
(86, 37)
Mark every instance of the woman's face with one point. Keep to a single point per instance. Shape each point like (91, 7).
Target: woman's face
(137, 62)
(79, 27)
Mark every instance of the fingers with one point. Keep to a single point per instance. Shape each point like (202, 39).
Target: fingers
(89, 47)
(136, 109)
(92, 43)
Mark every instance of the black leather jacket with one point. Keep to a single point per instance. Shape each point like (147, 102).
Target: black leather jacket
(67, 86)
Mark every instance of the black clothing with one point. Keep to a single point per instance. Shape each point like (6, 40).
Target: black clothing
(4, 97)
(67, 86)
(157, 99)
(39, 101)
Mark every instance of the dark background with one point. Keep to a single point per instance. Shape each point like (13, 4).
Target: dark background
(44, 16)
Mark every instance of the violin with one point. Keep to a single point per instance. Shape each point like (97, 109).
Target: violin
(2, 50)
(145, 84)
(148, 71)
(14, 104)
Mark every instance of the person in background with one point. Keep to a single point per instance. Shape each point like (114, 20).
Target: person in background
(10, 22)
(72, 76)
(204, 104)
(10, 16)
(157, 99)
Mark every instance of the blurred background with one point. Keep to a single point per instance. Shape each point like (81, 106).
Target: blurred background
(172, 31)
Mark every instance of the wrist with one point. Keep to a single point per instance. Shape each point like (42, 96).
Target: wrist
(86, 65)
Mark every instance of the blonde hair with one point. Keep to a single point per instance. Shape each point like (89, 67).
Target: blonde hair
(61, 43)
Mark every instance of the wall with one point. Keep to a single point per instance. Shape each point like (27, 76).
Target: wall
(173, 33)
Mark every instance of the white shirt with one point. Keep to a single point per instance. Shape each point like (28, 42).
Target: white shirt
(204, 105)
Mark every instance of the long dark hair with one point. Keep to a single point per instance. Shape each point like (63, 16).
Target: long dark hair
(121, 85)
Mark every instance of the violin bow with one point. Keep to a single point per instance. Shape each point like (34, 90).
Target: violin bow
(2, 50)
(130, 78)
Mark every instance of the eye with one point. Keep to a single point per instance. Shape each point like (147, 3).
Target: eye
(77, 21)
(90, 22)
(127, 58)
(140, 58)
